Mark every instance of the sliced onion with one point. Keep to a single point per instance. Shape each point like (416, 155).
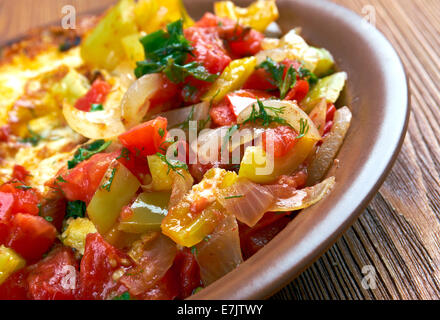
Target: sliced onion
(303, 198)
(220, 253)
(319, 114)
(135, 103)
(196, 112)
(208, 144)
(154, 254)
(330, 147)
(181, 186)
(246, 200)
(289, 111)
(99, 124)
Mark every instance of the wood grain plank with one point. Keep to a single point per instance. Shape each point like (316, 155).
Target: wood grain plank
(399, 233)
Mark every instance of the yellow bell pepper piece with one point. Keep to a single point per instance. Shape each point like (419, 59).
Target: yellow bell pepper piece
(329, 88)
(161, 179)
(188, 228)
(133, 48)
(103, 48)
(325, 62)
(76, 232)
(232, 78)
(258, 15)
(152, 15)
(10, 261)
(117, 188)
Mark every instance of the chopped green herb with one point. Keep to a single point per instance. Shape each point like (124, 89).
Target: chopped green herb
(23, 187)
(166, 51)
(161, 132)
(303, 128)
(194, 250)
(125, 153)
(265, 118)
(87, 151)
(233, 197)
(60, 179)
(173, 165)
(124, 296)
(49, 219)
(229, 134)
(107, 185)
(277, 71)
(76, 209)
(96, 107)
(207, 238)
(306, 74)
(33, 139)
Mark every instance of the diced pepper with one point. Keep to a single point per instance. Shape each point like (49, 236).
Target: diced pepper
(329, 88)
(198, 213)
(117, 187)
(232, 78)
(161, 180)
(325, 62)
(10, 261)
(258, 15)
(103, 47)
(147, 213)
(73, 86)
(152, 15)
(133, 48)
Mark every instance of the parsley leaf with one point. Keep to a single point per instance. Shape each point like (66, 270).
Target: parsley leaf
(306, 74)
(166, 51)
(87, 151)
(96, 107)
(76, 209)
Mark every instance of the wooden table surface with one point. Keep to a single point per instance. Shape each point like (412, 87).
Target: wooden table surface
(398, 235)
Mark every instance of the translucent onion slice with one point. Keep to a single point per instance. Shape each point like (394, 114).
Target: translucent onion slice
(289, 111)
(246, 200)
(196, 112)
(154, 254)
(135, 102)
(303, 198)
(220, 253)
(330, 147)
(181, 186)
(319, 114)
(99, 124)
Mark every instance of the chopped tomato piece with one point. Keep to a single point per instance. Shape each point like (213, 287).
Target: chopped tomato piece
(327, 128)
(138, 165)
(4, 232)
(97, 94)
(283, 139)
(6, 204)
(248, 43)
(299, 91)
(255, 238)
(81, 182)
(222, 114)
(15, 287)
(30, 236)
(188, 272)
(260, 79)
(5, 131)
(145, 139)
(25, 199)
(208, 49)
(55, 277)
(98, 264)
(19, 173)
(166, 288)
(167, 96)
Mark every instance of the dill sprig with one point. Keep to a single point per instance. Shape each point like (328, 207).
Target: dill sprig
(303, 128)
(173, 164)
